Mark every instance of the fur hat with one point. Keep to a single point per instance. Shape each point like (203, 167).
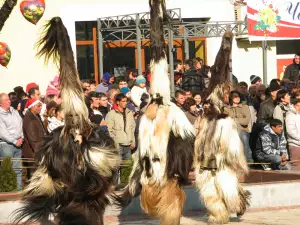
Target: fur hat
(254, 79)
(140, 79)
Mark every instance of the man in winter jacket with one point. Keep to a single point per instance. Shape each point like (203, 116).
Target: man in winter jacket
(192, 80)
(266, 109)
(293, 133)
(121, 126)
(292, 71)
(271, 146)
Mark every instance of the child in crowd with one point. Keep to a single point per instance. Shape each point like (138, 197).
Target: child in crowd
(138, 90)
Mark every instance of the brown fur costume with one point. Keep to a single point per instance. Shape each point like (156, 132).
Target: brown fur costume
(219, 156)
(166, 137)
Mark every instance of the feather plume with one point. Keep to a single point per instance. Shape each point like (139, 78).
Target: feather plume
(55, 44)
(160, 83)
(220, 70)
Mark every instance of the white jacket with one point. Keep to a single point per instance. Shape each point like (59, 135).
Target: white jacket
(136, 94)
(54, 123)
(293, 127)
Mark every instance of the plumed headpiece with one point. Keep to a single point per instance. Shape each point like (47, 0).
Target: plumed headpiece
(55, 44)
(160, 83)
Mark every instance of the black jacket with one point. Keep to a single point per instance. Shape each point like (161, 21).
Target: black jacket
(292, 72)
(193, 81)
(265, 113)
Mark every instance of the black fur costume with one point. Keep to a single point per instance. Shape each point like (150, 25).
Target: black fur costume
(76, 163)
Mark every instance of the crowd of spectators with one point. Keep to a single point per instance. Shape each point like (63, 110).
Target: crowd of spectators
(268, 118)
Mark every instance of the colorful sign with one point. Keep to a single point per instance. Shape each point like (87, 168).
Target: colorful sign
(32, 10)
(273, 19)
(281, 66)
(5, 54)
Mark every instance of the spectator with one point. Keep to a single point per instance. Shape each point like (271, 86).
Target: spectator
(271, 146)
(138, 90)
(240, 113)
(57, 120)
(33, 129)
(297, 94)
(190, 110)
(180, 98)
(53, 87)
(178, 67)
(95, 115)
(13, 99)
(199, 63)
(127, 93)
(252, 91)
(188, 94)
(50, 112)
(293, 133)
(206, 74)
(121, 126)
(283, 100)
(192, 80)
(107, 81)
(132, 75)
(293, 70)
(85, 92)
(199, 106)
(92, 85)
(145, 101)
(266, 110)
(122, 84)
(111, 94)
(86, 85)
(255, 80)
(260, 96)
(11, 135)
(103, 104)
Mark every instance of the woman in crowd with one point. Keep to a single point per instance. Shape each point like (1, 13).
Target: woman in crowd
(57, 118)
(241, 115)
(199, 106)
(282, 102)
(190, 109)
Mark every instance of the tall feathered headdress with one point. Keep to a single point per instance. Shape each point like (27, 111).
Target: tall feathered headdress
(55, 44)
(220, 71)
(160, 83)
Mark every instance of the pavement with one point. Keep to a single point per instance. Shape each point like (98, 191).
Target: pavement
(278, 217)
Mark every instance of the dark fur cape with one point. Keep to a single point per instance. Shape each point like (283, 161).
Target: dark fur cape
(81, 196)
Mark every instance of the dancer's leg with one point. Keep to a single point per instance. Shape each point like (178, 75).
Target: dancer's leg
(210, 196)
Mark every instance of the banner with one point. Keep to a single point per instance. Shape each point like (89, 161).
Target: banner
(273, 19)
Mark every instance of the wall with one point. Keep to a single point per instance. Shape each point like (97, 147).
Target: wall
(21, 36)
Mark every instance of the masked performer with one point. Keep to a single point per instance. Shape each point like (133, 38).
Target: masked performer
(219, 157)
(166, 137)
(76, 162)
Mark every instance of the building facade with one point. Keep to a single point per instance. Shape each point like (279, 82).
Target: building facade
(25, 67)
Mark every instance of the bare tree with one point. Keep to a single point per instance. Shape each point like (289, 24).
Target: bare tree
(6, 10)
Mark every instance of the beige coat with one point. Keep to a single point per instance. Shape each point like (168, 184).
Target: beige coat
(115, 123)
(240, 114)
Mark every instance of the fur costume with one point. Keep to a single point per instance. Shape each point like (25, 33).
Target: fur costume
(219, 157)
(76, 163)
(164, 158)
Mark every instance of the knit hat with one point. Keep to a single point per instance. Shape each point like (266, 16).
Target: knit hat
(32, 102)
(106, 77)
(140, 79)
(29, 86)
(254, 79)
(125, 90)
(274, 86)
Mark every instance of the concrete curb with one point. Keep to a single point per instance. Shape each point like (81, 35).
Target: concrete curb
(265, 196)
